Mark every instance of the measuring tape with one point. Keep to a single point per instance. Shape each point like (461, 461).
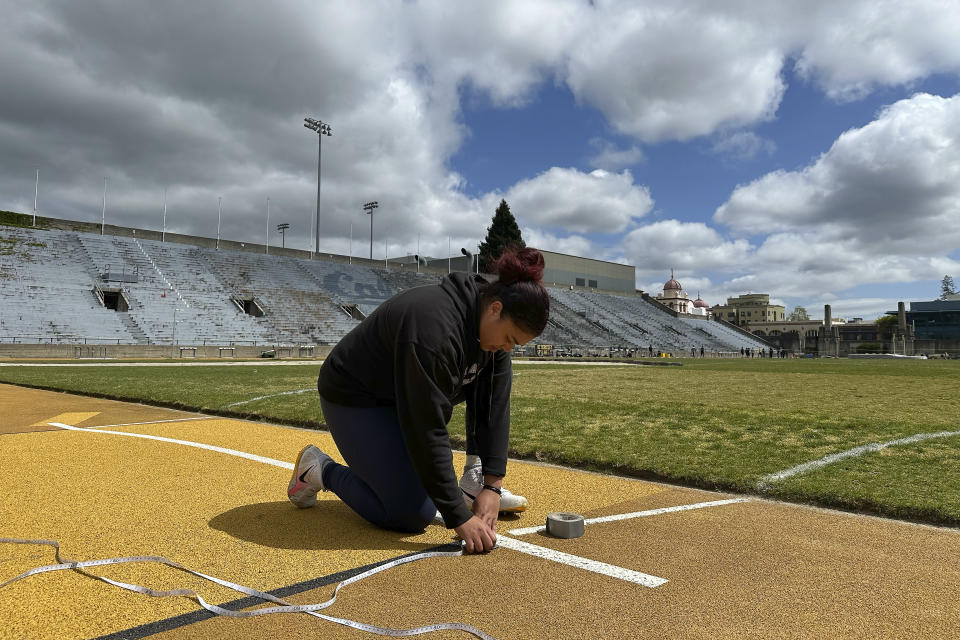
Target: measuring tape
(285, 607)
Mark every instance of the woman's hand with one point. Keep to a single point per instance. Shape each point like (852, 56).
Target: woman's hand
(476, 535)
(486, 506)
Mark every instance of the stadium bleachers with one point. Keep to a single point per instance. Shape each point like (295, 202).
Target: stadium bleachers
(46, 292)
(196, 295)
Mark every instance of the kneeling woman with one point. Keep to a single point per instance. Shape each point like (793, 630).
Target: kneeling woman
(388, 388)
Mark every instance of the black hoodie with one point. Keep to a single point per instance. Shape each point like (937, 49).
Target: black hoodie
(419, 352)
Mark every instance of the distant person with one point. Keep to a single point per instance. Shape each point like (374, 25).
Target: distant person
(650, 350)
(701, 351)
(387, 391)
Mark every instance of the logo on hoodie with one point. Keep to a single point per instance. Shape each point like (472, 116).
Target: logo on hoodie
(470, 374)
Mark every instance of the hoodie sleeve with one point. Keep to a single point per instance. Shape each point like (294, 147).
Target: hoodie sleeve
(489, 407)
(424, 383)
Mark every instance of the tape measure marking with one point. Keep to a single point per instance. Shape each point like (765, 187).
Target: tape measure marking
(285, 607)
(245, 602)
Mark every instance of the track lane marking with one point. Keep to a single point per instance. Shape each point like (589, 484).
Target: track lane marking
(766, 481)
(579, 562)
(133, 424)
(187, 443)
(275, 395)
(636, 514)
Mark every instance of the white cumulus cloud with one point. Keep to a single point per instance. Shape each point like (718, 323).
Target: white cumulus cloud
(595, 202)
(668, 244)
(893, 185)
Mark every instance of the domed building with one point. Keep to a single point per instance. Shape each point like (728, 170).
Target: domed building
(700, 307)
(674, 297)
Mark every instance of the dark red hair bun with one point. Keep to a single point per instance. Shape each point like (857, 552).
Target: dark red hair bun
(523, 265)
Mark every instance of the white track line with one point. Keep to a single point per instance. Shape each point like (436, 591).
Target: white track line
(849, 453)
(133, 424)
(284, 393)
(508, 543)
(636, 514)
(197, 445)
(581, 563)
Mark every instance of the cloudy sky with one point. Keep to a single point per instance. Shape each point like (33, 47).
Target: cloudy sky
(807, 149)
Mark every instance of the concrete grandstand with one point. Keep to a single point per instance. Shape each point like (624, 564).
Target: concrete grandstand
(66, 286)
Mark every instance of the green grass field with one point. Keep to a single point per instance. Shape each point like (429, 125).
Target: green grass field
(721, 424)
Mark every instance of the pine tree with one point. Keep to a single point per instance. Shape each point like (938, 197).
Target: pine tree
(502, 234)
(947, 288)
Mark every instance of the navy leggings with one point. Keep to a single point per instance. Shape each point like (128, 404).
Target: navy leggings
(379, 481)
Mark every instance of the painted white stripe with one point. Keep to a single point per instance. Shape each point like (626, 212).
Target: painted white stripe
(595, 566)
(197, 445)
(849, 453)
(285, 393)
(133, 424)
(636, 514)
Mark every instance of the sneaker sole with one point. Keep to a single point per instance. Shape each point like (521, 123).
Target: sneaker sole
(514, 510)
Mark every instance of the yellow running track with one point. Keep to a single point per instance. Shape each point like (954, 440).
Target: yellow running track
(748, 569)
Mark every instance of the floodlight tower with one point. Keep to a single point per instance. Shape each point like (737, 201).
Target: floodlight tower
(282, 228)
(369, 207)
(322, 129)
(103, 211)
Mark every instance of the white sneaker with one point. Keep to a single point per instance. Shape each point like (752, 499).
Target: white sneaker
(471, 484)
(307, 478)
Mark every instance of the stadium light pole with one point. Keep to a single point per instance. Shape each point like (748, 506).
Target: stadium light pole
(163, 233)
(36, 194)
(219, 213)
(350, 259)
(267, 239)
(282, 228)
(103, 211)
(369, 207)
(322, 129)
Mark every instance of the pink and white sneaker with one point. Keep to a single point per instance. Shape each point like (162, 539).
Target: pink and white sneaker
(307, 478)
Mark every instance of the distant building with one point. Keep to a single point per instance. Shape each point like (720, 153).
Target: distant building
(749, 309)
(559, 269)
(674, 297)
(563, 269)
(700, 307)
(937, 320)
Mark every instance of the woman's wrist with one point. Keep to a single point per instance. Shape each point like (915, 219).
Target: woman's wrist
(493, 481)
